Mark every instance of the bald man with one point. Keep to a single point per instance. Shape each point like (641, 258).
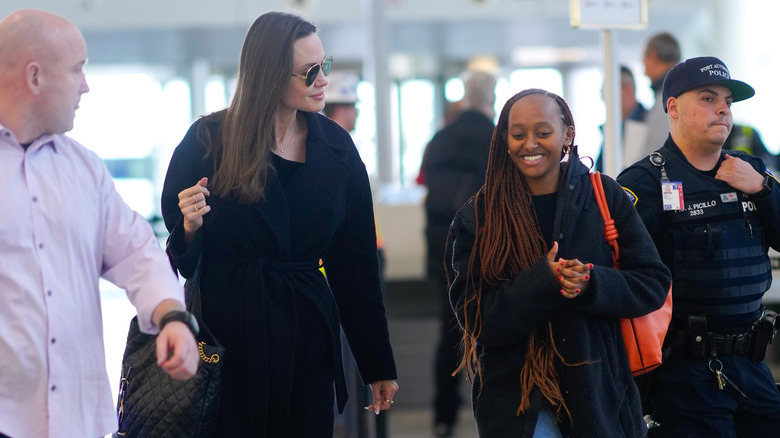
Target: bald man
(62, 226)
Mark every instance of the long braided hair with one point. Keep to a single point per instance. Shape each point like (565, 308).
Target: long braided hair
(508, 242)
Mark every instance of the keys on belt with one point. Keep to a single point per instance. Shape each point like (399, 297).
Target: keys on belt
(716, 366)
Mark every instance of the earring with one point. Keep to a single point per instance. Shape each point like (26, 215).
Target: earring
(566, 149)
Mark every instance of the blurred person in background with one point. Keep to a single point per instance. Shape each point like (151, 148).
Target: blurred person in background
(341, 99)
(662, 52)
(454, 169)
(746, 138)
(630, 109)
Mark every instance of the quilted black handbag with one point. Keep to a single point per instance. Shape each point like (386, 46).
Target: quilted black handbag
(151, 404)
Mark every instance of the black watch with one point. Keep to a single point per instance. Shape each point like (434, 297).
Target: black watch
(766, 190)
(183, 316)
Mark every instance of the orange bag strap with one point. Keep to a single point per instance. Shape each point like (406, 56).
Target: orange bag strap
(610, 232)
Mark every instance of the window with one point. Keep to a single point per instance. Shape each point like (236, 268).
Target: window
(130, 119)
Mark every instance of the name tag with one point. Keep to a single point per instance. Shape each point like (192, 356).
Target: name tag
(698, 207)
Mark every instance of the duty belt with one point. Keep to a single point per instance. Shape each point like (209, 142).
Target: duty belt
(719, 344)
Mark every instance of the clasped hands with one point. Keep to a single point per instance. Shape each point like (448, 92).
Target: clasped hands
(572, 275)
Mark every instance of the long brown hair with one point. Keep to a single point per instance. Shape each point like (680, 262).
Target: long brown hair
(508, 242)
(242, 153)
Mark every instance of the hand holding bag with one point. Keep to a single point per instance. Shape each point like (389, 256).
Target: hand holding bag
(643, 336)
(151, 404)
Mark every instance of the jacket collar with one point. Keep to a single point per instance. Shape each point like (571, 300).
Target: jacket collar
(313, 186)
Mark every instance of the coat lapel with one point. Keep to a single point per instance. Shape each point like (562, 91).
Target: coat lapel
(313, 187)
(325, 173)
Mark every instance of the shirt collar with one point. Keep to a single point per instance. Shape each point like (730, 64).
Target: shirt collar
(44, 140)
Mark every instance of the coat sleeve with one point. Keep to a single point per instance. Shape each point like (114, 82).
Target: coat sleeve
(352, 269)
(769, 206)
(184, 170)
(508, 311)
(642, 283)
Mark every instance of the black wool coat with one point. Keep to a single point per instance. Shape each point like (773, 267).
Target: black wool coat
(260, 261)
(601, 394)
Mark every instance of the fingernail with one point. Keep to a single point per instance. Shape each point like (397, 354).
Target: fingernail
(576, 291)
(559, 269)
(367, 408)
(587, 277)
(562, 292)
(590, 266)
(376, 410)
(563, 262)
(560, 277)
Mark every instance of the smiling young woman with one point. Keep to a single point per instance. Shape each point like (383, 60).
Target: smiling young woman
(534, 288)
(538, 137)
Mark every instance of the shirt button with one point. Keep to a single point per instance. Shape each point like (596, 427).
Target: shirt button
(53, 340)
(53, 387)
(35, 199)
(571, 186)
(40, 245)
(560, 236)
(48, 293)
(7, 134)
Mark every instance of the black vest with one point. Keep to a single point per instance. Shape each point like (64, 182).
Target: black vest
(719, 260)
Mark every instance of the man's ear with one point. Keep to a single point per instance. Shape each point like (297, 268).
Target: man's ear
(32, 77)
(672, 108)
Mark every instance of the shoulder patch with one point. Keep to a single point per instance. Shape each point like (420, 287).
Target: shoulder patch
(631, 196)
(772, 175)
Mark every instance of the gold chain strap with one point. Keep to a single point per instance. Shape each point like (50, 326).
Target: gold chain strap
(214, 357)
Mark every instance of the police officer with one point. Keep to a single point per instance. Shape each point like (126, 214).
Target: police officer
(712, 215)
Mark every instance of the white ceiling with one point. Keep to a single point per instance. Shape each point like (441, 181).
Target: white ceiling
(166, 14)
(437, 33)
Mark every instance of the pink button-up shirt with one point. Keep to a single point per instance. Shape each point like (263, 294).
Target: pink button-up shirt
(62, 226)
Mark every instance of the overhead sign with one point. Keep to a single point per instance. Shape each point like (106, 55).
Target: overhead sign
(608, 14)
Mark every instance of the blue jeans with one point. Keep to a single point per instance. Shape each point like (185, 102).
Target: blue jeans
(547, 426)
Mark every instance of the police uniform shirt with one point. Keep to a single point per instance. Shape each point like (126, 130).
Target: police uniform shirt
(708, 202)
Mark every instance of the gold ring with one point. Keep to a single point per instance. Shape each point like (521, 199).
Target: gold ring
(195, 198)
(389, 402)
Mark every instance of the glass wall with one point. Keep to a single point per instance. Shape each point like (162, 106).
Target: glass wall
(133, 120)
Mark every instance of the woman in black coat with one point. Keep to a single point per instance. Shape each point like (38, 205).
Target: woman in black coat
(259, 194)
(534, 287)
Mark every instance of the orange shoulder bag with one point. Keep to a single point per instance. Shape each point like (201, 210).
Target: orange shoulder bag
(643, 336)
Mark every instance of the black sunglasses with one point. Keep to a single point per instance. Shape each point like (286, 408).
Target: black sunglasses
(311, 74)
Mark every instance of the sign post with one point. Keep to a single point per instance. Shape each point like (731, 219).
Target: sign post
(609, 15)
